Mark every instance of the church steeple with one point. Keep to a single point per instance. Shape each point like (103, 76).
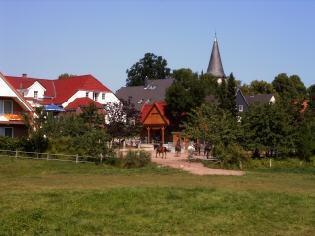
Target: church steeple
(215, 64)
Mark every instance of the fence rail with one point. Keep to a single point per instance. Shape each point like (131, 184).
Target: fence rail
(50, 156)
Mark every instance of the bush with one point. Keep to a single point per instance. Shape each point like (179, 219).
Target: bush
(135, 159)
(231, 156)
(7, 143)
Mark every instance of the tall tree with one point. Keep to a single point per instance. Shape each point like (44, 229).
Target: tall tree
(149, 67)
(186, 93)
(231, 95)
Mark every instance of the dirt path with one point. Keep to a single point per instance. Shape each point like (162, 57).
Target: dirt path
(181, 162)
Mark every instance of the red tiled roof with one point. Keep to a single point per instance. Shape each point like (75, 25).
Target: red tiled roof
(60, 90)
(146, 109)
(82, 102)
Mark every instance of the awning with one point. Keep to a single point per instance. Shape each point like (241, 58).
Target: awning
(53, 107)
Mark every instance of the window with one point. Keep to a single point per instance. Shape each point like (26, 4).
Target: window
(6, 131)
(103, 96)
(95, 95)
(35, 94)
(240, 108)
(87, 94)
(6, 107)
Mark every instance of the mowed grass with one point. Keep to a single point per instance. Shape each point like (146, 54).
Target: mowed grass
(56, 198)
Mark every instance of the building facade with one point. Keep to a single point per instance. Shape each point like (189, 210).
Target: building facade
(13, 108)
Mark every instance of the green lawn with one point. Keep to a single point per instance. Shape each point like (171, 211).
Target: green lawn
(56, 198)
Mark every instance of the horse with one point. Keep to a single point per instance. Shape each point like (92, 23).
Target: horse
(160, 149)
(207, 150)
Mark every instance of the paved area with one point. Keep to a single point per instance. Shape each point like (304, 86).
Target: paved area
(181, 162)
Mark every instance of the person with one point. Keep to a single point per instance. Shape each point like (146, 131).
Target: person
(178, 148)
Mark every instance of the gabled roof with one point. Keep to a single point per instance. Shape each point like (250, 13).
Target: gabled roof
(154, 91)
(215, 66)
(82, 102)
(60, 90)
(18, 97)
(160, 106)
(258, 98)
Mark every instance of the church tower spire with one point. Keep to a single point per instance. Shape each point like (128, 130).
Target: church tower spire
(215, 67)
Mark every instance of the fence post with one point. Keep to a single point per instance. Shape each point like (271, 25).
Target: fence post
(47, 156)
(76, 158)
(16, 153)
(101, 155)
(37, 155)
(270, 163)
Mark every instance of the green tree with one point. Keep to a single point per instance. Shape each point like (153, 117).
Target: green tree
(149, 67)
(186, 93)
(210, 83)
(93, 117)
(65, 76)
(212, 124)
(311, 96)
(261, 87)
(268, 127)
(231, 95)
(289, 88)
(123, 120)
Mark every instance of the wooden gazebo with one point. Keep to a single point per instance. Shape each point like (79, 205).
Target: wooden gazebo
(154, 120)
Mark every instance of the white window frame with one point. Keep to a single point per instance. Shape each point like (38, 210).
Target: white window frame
(2, 106)
(240, 108)
(2, 131)
(95, 96)
(35, 94)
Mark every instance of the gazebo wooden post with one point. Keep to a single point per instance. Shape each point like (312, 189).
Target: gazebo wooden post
(149, 136)
(162, 131)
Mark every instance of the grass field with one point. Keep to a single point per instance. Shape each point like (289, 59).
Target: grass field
(55, 198)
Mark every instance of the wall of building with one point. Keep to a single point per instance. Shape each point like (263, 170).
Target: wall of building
(109, 97)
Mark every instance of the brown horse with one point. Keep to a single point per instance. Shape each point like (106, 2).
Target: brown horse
(160, 149)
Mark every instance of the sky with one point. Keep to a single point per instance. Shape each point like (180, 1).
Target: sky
(257, 39)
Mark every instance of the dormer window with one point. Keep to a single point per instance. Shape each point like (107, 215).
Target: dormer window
(103, 96)
(87, 94)
(35, 94)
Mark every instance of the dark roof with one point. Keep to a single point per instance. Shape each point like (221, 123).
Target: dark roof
(215, 64)
(258, 98)
(154, 91)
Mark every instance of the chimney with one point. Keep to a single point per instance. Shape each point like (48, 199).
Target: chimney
(24, 75)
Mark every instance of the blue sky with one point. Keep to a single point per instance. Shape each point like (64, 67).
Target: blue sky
(257, 39)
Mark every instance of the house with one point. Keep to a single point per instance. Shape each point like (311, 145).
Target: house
(152, 91)
(244, 102)
(62, 92)
(12, 108)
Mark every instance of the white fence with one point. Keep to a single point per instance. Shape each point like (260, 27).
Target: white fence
(50, 156)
